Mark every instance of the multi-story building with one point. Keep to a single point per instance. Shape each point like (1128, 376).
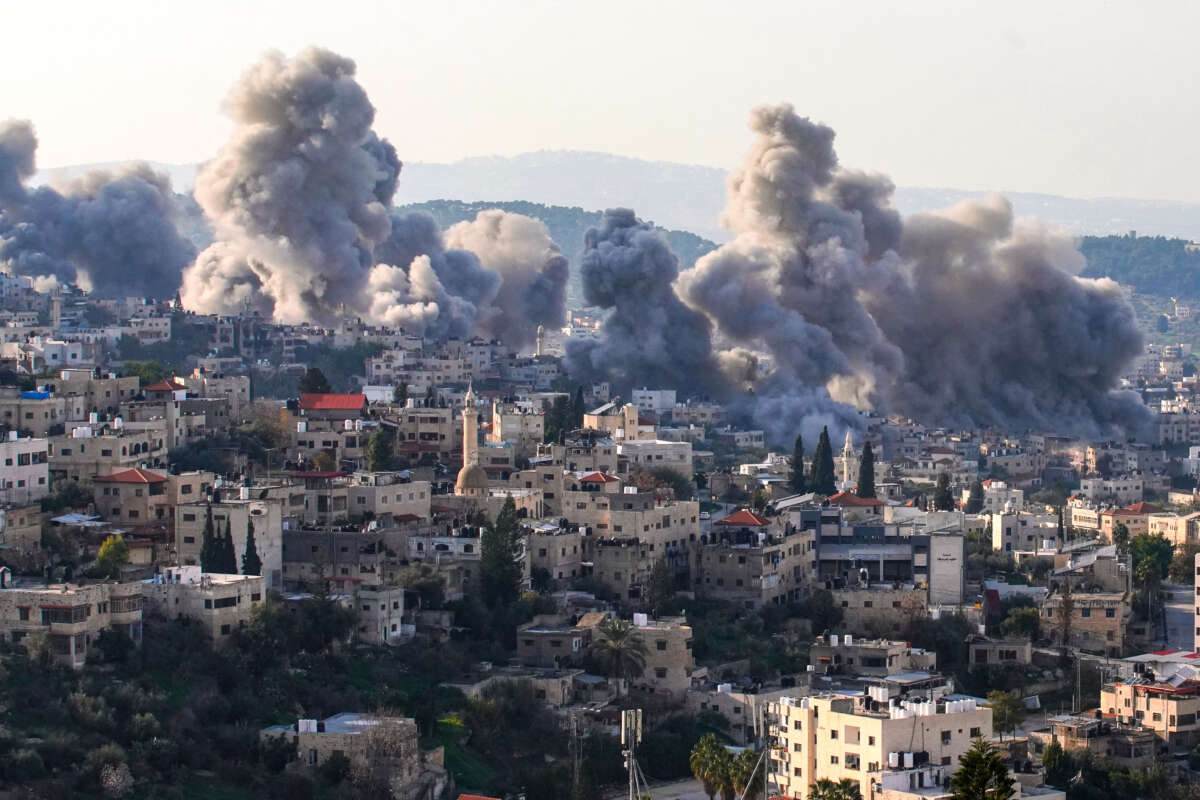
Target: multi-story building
(100, 392)
(220, 603)
(235, 510)
(235, 389)
(669, 662)
(1024, 532)
(1093, 621)
(37, 413)
(72, 615)
(21, 533)
(650, 454)
(879, 742)
(1168, 709)
(847, 655)
(101, 449)
(25, 476)
(373, 745)
(1124, 490)
(1124, 746)
(518, 426)
(582, 451)
(139, 496)
(702, 414)
(750, 562)
(380, 615)
(998, 497)
(1136, 518)
(654, 401)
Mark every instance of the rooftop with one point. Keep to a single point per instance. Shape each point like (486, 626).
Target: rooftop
(332, 402)
(744, 517)
(136, 475)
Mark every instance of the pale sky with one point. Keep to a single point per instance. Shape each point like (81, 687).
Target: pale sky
(1075, 98)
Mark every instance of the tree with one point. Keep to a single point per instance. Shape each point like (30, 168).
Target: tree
(499, 550)
(577, 409)
(1021, 622)
(711, 764)
(823, 481)
(313, 381)
(759, 500)
(975, 499)
(866, 472)
(1183, 566)
(113, 555)
(845, 789)
(796, 478)
(148, 372)
(251, 563)
(618, 649)
(228, 559)
(1053, 761)
(982, 775)
(209, 553)
(1007, 711)
(661, 591)
(400, 394)
(381, 449)
(324, 462)
(943, 500)
(1120, 537)
(747, 776)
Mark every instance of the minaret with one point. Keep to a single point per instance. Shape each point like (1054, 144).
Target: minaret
(847, 459)
(470, 428)
(541, 341)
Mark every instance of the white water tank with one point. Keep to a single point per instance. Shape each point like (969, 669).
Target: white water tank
(908, 760)
(893, 760)
(301, 427)
(849, 640)
(833, 640)
(244, 492)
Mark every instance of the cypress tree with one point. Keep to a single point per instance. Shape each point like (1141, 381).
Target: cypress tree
(943, 500)
(208, 545)
(228, 558)
(823, 481)
(577, 409)
(499, 572)
(975, 499)
(866, 472)
(796, 479)
(251, 563)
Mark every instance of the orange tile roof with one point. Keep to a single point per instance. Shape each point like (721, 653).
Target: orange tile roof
(131, 476)
(850, 500)
(746, 517)
(332, 402)
(1143, 508)
(598, 477)
(168, 385)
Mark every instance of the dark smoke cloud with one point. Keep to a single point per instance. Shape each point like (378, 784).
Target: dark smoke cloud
(649, 338)
(533, 273)
(300, 199)
(958, 318)
(110, 233)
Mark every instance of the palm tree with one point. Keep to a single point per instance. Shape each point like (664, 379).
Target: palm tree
(619, 649)
(711, 764)
(845, 789)
(747, 775)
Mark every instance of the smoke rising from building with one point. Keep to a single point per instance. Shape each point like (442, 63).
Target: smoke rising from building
(958, 318)
(532, 270)
(649, 337)
(110, 233)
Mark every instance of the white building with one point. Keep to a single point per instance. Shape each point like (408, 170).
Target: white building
(658, 401)
(1123, 491)
(25, 477)
(652, 454)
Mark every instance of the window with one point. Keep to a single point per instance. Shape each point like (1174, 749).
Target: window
(225, 630)
(975, 733)
(661, 644)
(23, 613)
(660, 672)
(1085, 612)
(189, 540)
(945, 737)
(1110, 612)
(833, 735)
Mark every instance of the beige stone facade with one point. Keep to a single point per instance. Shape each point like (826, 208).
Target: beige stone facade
(1171, 712)
(220, 603)
(1093, 621)
(669, 661)
(72, 615)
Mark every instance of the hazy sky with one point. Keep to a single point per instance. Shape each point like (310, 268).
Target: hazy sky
(1075, 98)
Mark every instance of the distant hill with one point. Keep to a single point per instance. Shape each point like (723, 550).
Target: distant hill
(567, 227)
(689, 197)
(1151, 264)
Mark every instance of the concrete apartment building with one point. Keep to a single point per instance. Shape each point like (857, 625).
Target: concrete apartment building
(1124, 490)
(582, 451)
(518, 426)
(654, 401)
(237, 508)
(73, 615)
(550, 641)
(650, 454)
(847, 655)
(1093, 621)
(879, 744)
(1167, 709)
(750, 562)
(35, 413)
(380, 612)
(25, 473)
(235, 389)
(421, 431)
(669, 662)
(983, 652)
(21, 532)
(1124, 746)
(1179, 529)
(561, 553)
(139, 496)
(1024, 532)
(102, 449)
(100, 392)
(998, 497)
(369, 742)
(220, 603)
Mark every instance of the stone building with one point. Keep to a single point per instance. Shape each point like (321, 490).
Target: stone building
(220, 603)
(72, 615)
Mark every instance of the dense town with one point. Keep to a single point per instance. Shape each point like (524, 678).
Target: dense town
(243, 558)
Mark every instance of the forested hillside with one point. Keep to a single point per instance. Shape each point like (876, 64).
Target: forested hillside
(1151, 264)
(567, 226)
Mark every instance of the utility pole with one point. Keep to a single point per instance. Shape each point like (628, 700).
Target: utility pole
(631, 735)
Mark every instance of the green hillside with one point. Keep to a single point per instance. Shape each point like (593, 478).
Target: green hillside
(1151, 264)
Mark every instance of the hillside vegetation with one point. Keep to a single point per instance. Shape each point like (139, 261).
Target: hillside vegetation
(1150, 264)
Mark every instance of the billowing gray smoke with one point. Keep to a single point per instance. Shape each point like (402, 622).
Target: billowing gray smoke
(532, 270)
(114, 234)
(650, 337)
(957, 318)
(300, 201)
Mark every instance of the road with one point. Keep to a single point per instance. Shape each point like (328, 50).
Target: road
(1180, 613)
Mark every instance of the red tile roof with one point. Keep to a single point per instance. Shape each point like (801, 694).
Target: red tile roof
(744, 517)
(1143, 508)
(475, 797)
(598, 477)
(165, 386)
(131, 476)
(332, 402)
(850, 500)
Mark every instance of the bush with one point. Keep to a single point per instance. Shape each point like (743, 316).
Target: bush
(21, 766)
(289, 786)
(335, 769)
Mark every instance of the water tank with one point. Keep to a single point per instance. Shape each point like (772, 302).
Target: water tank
(301, 427)
(849, 640)
(244, 492)
(93, 418)
(348, 425)
(908, 760)
(893, 760)
(833, 639)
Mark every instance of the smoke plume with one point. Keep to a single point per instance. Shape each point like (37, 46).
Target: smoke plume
(532, 270)
(649, 338)
(111, 234)
(958, 318)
